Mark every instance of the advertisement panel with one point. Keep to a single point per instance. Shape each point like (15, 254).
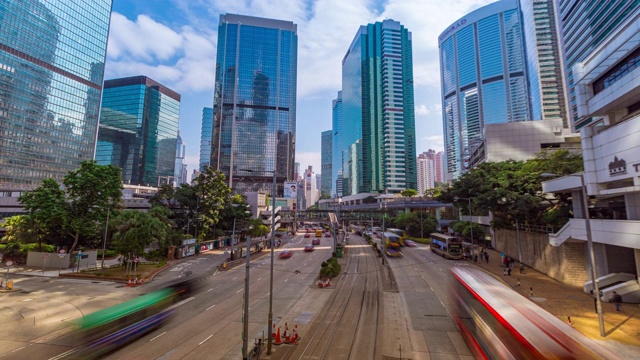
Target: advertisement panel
(290, 190)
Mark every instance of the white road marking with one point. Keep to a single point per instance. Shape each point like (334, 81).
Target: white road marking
(202, 342)
(239, 291)
(211, 306)
(27, 299)
(259, 279)
(234, 278)
(286, 280)
(18, 349)
(182, 302)
(157, 336)
(209, 290)
(63, 354)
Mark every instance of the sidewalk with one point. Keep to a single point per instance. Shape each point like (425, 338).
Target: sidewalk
(622, 329)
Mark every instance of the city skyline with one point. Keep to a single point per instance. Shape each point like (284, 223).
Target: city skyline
(175, 43)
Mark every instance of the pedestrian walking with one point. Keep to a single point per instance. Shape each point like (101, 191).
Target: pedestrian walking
(509, 270)
(475, 258)
(486, 257)
(616, 299)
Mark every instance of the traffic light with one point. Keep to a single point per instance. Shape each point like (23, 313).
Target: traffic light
(294, 206)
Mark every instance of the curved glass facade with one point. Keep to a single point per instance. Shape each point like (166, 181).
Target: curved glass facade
(255, 102)
(52, 57)
(482, 64)
(139, 130)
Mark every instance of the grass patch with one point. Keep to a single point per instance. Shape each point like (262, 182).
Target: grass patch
(142, 271)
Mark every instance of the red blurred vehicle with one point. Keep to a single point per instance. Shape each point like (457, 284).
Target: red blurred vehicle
(285, 254)
(327, 235)
(315, 241)
(307, 235)
(308, 248)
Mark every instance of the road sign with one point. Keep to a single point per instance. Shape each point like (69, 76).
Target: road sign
(9, 263)
(135, 260)
(62, 251)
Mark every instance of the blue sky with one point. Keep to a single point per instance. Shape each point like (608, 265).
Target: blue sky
(174, 43)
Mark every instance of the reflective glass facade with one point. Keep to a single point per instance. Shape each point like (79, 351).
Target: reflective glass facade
(336, 150)
(326, 158)
(544, 61)
(205, 137)
(52, 57)
(255, 102)
(484, 79)
(377, 137)
(139, 129)
(584, 25)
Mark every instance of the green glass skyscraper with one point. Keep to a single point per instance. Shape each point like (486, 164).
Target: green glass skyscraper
(377, 134)
(255, 102)
(52, 57)
(139, 130)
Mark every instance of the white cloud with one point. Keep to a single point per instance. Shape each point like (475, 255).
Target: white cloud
(424, 110)
(309, 158)
(143, 39)
(435, 142)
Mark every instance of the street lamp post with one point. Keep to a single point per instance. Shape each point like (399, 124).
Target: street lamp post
(470, 217)
(273, 242)
(592, 255)
(104, 242)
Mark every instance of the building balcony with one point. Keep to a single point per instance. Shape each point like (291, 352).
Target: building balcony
(625, 233)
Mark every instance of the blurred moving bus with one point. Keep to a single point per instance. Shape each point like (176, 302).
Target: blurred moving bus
(318, 233)
(499, 323)
(391, 240)
(449, 247)
(401, 234)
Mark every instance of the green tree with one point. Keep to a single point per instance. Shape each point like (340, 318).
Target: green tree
(255, 228)
(467, 228)
(18, 229)
(213, 194)
(416, 225)
(409, 192)
(46, 208)
(236, 209)
(91, 191)
(134, 230)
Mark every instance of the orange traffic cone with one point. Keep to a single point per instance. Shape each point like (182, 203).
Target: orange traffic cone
(135, 282)
(287, 335)
(273, 332)
(129, 282)
(327, 283)
(294, 337)
(278, 340)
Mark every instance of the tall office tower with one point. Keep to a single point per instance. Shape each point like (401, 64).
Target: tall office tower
(205, 138)
(544, 61)
(296, 174)
(438, 162)
(377, 130)
(139, 130)
(310, 187)
(336, 150)
(255, 102)
(483, 74)
(584, 26)
(426, 172)
(52, 57)
(326, 158)
(339, 184)
(180, 171)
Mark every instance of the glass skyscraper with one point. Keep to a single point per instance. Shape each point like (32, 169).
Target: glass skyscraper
(336, 149)
(326, 159)
(139, 130)
(584, 26)
(205, 138)
(255, 102)
(52, 57)
(483, 75)
(377, 130)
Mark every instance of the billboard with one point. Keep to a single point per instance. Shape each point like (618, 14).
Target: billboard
(290, 189)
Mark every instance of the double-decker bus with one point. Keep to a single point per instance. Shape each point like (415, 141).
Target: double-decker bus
(499, 323)
(402, 235)
(391, 240)
(449, 247)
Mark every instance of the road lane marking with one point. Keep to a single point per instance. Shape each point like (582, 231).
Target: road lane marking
(202, 342)
(211, 306)
(209, 290)
(18, 349)
(63, 354)
(157, 336)
(182, 302)
(27, 299)
(234, 278)
(286, 280)
(259, 279)
(239, 291)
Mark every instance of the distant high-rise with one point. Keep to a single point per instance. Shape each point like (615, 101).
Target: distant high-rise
(483, 75)
(585, 25)
(180, 171)
(336, 149)
(426, 171)
(326, 158)
(438, 162)
(205, 138)
(255, 102)
(52, 56)
(377, 128)
(139, 130)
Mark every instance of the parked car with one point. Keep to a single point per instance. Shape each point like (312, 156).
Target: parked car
(308, 248)
(315, 241)
(285, 254)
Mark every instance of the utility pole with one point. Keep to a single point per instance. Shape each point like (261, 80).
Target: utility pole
(245, 315)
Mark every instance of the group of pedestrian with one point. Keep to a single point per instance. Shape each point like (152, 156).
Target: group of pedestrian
(507, 262)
